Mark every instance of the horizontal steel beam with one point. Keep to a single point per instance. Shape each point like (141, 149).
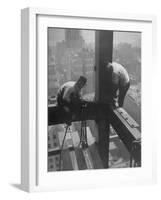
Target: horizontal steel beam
(124, 126)
(127, 132)
(92, 111)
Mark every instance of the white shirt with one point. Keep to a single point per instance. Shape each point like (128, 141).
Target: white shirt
(66, 90)
(120, 76)
(118, 83)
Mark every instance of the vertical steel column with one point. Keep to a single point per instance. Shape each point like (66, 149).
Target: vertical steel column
(103, 55)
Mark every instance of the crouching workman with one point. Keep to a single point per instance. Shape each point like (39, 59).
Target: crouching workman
(119, 83)
(69, 95)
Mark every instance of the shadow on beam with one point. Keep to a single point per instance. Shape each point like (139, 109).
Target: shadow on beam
(91, 111)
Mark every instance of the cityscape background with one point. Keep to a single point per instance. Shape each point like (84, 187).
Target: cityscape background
(71, 53)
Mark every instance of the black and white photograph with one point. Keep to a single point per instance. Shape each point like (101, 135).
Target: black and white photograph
(94, 99)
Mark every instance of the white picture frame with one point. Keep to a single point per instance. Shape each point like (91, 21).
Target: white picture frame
(33, 177)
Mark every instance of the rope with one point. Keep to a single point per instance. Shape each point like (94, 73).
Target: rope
(61, 149)
(83, 137)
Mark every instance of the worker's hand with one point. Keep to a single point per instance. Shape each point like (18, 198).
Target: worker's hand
(75, 99)
(67, 110)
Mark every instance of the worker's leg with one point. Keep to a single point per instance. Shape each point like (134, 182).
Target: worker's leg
(122, 94)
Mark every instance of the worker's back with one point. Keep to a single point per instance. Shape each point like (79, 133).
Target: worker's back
(119, 75)
(64, 92)
(118, 83)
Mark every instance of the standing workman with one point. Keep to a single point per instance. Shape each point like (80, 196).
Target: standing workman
(118, 84)
(69, 95)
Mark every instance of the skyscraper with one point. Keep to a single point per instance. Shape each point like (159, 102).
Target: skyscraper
(74, 39)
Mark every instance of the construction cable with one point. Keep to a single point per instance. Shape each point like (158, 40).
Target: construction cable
(83, 136)
(61, 149)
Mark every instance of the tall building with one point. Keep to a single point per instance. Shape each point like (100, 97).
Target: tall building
(74, 39)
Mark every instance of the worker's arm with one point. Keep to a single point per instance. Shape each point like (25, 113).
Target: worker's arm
(76, 98)
(68, 95)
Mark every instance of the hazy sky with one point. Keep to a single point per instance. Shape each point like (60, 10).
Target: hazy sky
(128, 37)
(56, 35)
